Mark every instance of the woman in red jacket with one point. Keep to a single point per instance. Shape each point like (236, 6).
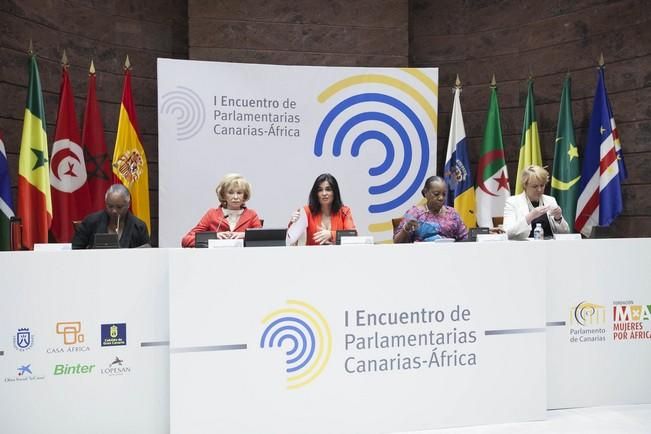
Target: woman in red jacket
(232, 217)
(326, 214)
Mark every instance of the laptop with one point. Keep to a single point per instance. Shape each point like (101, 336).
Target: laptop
(262, 237)
(601, 232)
(473, 232)
(106, 241)
(201, 239)
(344, 233)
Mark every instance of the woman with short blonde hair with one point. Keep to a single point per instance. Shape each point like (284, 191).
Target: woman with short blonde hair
(531, 207)
(232, 217)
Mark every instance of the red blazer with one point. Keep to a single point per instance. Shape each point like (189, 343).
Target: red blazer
(215, 221)
(342, 220)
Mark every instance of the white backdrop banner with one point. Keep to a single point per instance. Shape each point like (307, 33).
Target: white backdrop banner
(374, 129)
(599, 314)
(353, 339)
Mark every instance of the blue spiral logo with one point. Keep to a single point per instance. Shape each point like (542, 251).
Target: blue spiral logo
(305, 336)
(406, 146)
(186, 106)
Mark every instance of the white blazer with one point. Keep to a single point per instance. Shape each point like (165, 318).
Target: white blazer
(516, 209)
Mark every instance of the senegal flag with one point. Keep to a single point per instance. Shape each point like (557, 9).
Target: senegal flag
(566, 173)
(530, 143)
(34, 200)
(129, 160)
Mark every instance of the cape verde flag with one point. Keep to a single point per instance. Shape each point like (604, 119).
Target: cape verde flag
(461, 191)
(600, 192)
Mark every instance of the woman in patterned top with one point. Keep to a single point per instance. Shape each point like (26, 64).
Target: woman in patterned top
(433, 220)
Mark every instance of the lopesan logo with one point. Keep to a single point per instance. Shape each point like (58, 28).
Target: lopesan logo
(73, 369)
(116, 367)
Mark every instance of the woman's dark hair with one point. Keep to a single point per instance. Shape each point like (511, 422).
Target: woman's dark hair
(429, 180)
(315, 205)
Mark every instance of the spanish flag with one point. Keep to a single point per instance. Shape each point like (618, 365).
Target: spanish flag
(129, 160)
(34, 199)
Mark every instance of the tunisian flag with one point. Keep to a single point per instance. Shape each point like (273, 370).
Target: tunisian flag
(98, 165)
(70, 199)
(129, 160)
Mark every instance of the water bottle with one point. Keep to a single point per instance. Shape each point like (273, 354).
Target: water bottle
(538, 232)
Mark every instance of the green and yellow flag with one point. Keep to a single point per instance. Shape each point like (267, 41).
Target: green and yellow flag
(34, 200)
(567, 170)
(530, 143)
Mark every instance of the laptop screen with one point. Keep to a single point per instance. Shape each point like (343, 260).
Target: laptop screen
(344, 233)
(201, 239)
(262, 237)
(106, 241)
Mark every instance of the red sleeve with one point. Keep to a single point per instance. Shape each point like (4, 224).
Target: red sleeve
(207, 223)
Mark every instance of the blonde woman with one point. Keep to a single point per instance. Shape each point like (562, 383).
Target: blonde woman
(232, 217)
(523, 212)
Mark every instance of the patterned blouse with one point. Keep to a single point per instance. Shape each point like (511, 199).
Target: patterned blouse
(446, 224)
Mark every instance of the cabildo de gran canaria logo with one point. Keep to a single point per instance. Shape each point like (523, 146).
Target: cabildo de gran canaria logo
(387, 117)
(304, 334)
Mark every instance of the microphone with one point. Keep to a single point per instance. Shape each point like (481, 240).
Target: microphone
(117, 226)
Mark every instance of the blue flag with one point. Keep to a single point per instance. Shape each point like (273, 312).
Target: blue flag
(461, 191)
(600, 191)
(6, 207)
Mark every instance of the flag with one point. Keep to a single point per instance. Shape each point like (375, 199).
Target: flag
(70, 198)
(567, 170)
(6, 205)
(461, 192)
(492, 176)
(600, 191)
(98, 165)
(129, 160)
(530, 143)
(34, 200)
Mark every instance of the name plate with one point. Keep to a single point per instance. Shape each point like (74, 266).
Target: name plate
(567, 237)
(52, 247)
(349, 241)
(491, 237)
(212, 244)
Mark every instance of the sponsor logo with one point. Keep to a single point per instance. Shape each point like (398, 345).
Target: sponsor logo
(23, 340)
(115, 368)
(631, 321)
(71, 332)
(587, 323)
(73, 338)
(78, 369)
(303, 334)
(114, 334)
(24, 373)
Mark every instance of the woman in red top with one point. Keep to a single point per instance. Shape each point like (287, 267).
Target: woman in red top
(232, 217)
(326, 214)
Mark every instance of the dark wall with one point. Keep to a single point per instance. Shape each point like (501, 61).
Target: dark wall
(106, 31)
(304, 32)
(474, 38)
(511, 38)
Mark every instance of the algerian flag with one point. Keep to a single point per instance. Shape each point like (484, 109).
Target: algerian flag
(492, 176)
(567, 170)
(530, 143)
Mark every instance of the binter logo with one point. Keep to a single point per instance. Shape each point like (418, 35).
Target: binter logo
(304, 334)
(588, 314)
(71, 332)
